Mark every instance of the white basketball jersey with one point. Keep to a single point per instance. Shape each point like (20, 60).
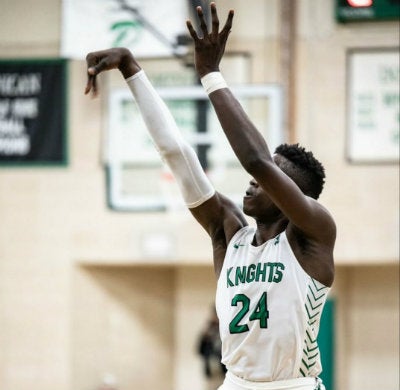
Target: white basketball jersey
(269, 310)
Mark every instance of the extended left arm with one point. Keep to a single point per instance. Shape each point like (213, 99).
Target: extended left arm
(172, 147)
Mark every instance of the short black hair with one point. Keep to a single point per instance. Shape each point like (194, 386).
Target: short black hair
(303, 168)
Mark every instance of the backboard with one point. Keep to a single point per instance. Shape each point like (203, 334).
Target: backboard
(138, 181)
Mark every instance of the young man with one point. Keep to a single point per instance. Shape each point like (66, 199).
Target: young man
(273, 278)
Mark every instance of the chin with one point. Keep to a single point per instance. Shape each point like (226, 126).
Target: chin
(247, 211)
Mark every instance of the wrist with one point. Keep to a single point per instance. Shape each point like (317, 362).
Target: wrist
(213, 81)
(204, 72)
(128, 65)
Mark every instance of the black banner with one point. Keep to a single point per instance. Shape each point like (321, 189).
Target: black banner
(33, 112)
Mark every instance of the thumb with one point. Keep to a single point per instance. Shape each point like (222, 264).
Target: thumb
(92, 71)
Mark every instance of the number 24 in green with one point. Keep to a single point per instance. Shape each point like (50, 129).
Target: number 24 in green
(260, 313)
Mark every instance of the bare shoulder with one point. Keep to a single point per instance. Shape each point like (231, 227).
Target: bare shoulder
(314, 248)
(319, 225)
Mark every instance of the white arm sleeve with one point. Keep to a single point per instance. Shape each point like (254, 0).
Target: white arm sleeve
(174, 150)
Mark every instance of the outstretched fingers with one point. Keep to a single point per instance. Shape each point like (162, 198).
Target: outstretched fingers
(215, 34)
(228, 24)
(192, 31)
(214, 21)
(203, 23)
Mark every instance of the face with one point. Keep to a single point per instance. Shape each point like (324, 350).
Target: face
(255, 199)
(256, 202)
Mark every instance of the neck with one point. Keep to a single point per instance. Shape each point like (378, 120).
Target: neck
(266, 231)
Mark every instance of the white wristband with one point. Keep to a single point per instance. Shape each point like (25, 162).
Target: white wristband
(213, 81)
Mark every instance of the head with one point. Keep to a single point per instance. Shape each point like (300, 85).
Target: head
(302, 167)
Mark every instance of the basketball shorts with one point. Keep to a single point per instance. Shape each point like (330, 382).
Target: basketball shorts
(232, 382)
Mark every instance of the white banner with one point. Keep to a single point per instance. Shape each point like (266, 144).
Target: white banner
(149, 28)
(373, 105)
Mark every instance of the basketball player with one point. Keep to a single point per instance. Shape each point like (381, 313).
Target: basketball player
(273, 276)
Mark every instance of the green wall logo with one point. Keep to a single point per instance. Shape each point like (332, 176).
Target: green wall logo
(127, 32)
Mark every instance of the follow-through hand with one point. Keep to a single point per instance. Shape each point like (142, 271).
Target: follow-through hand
(210, 48)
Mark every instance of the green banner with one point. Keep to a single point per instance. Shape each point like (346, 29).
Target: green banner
(326, 342)
(367, 10)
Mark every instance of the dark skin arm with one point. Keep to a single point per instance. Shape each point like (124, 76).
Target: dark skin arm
(220, 217)
(310, 228)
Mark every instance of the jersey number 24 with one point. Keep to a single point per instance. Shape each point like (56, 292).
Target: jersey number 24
(260, 313)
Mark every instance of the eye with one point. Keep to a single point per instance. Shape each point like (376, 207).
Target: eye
(253, 183)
